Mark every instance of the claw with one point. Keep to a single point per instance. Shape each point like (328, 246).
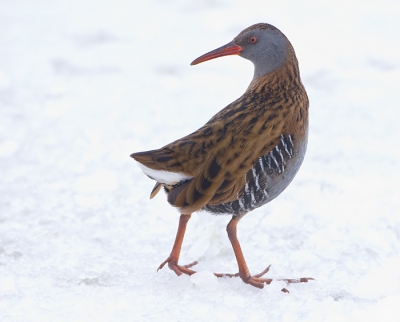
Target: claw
(265, 271)
(163, 263)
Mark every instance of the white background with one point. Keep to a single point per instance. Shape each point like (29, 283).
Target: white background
(85, 83)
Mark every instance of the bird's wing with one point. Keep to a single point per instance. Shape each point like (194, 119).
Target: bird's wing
(211, 179)
(222, 177)
(212, 162)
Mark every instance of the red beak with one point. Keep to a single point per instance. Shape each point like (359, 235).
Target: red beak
(228, 49)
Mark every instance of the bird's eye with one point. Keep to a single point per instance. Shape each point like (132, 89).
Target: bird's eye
(252, 40)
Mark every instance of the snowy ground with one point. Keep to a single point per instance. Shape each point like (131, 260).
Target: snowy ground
(85, 83)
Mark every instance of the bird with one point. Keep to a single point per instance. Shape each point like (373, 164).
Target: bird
(246, 154)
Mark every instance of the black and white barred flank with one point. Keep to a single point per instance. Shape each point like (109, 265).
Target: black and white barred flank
(257, 190)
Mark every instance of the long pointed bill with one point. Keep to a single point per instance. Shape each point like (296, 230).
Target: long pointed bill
(229, 49)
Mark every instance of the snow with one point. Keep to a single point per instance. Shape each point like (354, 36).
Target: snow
(85, 83)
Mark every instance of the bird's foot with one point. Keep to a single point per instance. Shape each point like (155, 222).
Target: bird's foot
(258, 281)
(178, 269)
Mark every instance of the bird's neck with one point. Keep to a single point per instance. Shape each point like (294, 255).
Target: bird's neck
(284, 80)
(280, 61)
(286, 73)
(268, 66)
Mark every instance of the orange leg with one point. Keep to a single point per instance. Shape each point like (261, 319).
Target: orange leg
(244, 273)
(173, 258)
(243, 269)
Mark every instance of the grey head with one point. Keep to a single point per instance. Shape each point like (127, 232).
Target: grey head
(263, 44)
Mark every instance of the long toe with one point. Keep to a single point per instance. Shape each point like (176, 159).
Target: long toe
(259, 281)
(178, 269)
(255, 282)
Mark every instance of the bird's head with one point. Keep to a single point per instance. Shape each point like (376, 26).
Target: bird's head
(262, 44)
